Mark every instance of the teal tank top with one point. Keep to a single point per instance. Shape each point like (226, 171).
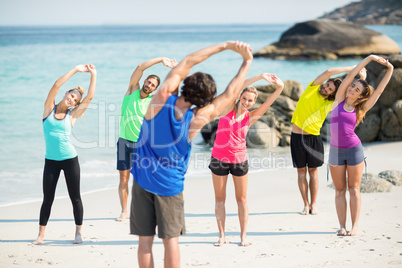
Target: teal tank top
(57, 137)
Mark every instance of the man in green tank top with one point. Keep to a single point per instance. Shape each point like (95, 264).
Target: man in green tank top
(133, 109)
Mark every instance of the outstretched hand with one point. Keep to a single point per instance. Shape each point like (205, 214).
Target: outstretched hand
(81, 68)
(91, 68)
(241, 48)
(171, 63)
(363, 73)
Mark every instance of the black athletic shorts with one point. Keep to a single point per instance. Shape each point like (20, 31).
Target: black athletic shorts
(307, 150)
(222, 168)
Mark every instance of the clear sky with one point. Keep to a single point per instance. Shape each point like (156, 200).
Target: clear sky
(100, 12)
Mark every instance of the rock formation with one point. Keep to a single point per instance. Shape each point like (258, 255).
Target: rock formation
(326, 39)
(369, 12)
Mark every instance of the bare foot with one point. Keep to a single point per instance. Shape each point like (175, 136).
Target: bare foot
(41, 234)
(38, 241)
(77, 240)
(244, 243)
(122, 217)
(305, 211)
(313, 210)
(341, 232)
(221, 242)
(353, 232)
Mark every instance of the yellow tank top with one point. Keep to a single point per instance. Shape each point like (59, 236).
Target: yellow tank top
(311, 110)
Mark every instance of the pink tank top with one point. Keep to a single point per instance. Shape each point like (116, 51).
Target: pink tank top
(230, 142)
(343, 124)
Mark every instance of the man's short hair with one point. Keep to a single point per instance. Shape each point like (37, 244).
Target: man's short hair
(154, 76)
(199, 89)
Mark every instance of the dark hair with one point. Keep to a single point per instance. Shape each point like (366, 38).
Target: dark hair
(337, 82)
(359, 103)
(155, 77)
(198, 89)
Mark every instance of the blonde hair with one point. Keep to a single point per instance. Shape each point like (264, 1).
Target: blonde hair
(359, 103)
(81, 91)
(250, 89)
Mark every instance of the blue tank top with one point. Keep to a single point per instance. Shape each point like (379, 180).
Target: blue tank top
(57, 137)
(162, 151)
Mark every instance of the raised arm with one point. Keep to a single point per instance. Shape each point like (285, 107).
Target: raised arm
(49, 103)
(341, 93)
(381, 86)
(226, 100)
(178, 73)
(224, 103)
(257, 113)
(80, 109)
(138, 72)
(331, 72)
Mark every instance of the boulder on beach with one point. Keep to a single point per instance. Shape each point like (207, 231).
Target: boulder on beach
(327, 39)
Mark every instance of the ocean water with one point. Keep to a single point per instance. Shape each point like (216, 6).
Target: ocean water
(32, 58)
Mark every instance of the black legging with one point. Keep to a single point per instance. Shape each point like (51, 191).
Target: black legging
(51, 174)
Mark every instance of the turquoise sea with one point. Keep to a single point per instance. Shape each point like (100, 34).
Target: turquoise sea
(32, 58)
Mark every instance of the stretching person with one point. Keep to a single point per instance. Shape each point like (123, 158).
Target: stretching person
(58, 120)
(135, 104)
(346, 157)
(229, 154)
(163, 149)
(306, 144)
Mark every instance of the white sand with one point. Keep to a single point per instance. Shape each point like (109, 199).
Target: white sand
(280, 236)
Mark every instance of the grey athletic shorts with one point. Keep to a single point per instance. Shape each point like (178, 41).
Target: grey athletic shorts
(149, 210)
(348, 156)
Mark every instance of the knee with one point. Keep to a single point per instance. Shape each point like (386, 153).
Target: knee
(340, 192)
(241, 201)
(312, 171)
(301, 173)
(354, 190)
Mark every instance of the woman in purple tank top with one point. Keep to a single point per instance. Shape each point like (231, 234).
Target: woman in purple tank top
(346, 159)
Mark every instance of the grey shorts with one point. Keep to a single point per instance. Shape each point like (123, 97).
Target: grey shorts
(348, 156)
(149, 210)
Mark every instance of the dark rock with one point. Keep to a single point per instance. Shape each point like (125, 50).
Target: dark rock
(391, 130)
(260, 135)
(292, 89)
(393, 176)
(369, 129)
(393, 90)
(326, 39)
(369, 12)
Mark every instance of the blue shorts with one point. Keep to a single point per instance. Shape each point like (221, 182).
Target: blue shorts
(125, 150)
(348, 156)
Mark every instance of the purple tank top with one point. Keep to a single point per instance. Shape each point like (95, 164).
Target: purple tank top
(343, 124)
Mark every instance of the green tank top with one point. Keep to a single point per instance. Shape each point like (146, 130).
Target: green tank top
(133, 110)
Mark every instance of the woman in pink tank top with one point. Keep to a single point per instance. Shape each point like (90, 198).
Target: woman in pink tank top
(229, 154)
(346, 158)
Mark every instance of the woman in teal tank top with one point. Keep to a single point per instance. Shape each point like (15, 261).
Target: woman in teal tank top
(58, 120)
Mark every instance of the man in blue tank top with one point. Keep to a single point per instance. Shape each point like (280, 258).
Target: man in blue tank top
(163, 148)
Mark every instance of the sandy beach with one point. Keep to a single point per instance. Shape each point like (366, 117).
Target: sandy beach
(280, 236)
